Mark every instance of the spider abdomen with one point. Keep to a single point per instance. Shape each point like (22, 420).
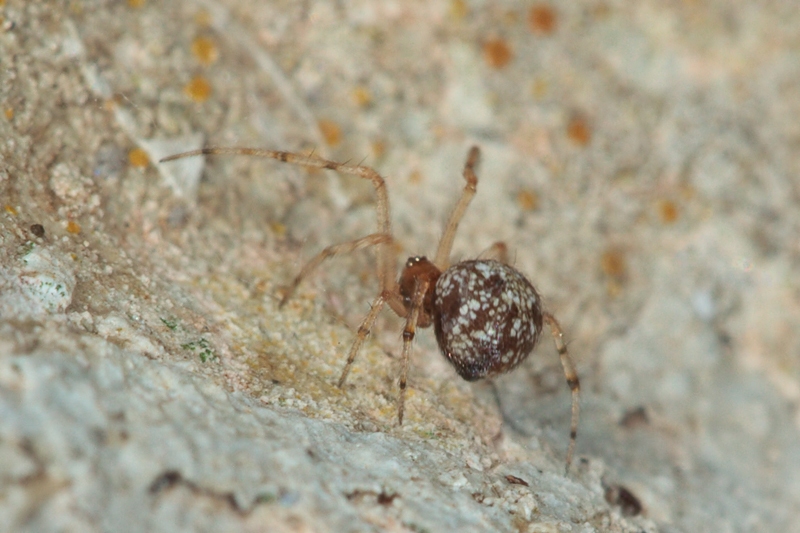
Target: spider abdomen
(487, 317)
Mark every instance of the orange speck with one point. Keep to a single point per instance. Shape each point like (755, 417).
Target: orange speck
(497, 53)
(579, 131)
(397, 247)
(668, 211)
(330, 131)
(138, 158)
(111, 104)
(9, 113)
(262, 285)
(613, 264)
(362, 96)
(198, 89)
(459, 9)
(202, 18)
(378, 149)
(601, 11)
(136, 3)
(205, 50)
(73, 227)
(542, 19)
(11, 210)
(415, 176)
(528, 200)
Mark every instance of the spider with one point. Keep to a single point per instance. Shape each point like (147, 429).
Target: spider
(486, 315)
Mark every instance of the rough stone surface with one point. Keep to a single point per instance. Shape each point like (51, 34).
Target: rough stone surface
(639, 159)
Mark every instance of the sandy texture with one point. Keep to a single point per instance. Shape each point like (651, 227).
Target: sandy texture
(640, 160)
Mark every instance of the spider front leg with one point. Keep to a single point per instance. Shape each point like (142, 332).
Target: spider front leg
(572, 380)
(408, 337)
(394, 299)
(395, 302)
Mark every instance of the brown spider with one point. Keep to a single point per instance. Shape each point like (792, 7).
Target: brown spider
(486, 315)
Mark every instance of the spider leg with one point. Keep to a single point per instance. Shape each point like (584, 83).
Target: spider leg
(336, 249)
(386, 255)
(408, 337)
(446, 243)
(572, 380)
(497, 251)
(393, 299)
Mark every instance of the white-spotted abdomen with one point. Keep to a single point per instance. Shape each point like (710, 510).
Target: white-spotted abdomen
(487, 317)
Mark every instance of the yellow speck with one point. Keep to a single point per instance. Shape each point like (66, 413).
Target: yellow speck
(202, 18)
(198, 89)
(613, 288)
(138, 158)
(510, 17)
(378, 148)
(9, 113)
(362, 96)
(11, 210)
(528, 200)
(330, 131)
(415, 176)
(73, 227)
(205, 50)
(278, 229)
(136, 3)
(459, 9)
(539, 88)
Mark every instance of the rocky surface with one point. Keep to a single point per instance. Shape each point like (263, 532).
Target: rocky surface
(638, 159)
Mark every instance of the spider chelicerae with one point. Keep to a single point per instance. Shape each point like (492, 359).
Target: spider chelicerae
(486, 315)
